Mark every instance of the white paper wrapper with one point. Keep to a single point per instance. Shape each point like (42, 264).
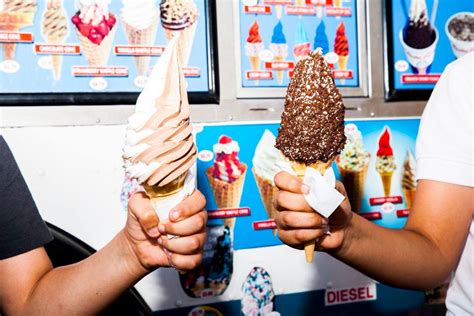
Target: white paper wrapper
(322, 196)
(163, 207)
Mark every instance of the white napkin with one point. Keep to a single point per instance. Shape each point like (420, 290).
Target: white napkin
(165, 206)
(322, 196)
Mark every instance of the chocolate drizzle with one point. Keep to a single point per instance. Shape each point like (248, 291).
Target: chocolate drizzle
(312, 123)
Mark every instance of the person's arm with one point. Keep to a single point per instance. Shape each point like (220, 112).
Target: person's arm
(420, 256)
(31, 286)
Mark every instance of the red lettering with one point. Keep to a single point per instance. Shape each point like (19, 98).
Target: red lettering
(361, 293)
(352, 294)
(368, 293)
(344, 294)
(332, 297)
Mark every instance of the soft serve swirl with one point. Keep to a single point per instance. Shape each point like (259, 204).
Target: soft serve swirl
(159, 145)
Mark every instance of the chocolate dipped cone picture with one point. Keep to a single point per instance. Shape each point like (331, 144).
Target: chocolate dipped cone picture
(312, 124)
(352, 164)
(409, 179)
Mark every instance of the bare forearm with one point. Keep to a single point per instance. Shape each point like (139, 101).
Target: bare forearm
(87, 287)
(401, 258)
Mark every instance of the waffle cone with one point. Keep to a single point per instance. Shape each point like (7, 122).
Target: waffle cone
(254, 62)
(354, 182)
(97, 55)
(145, 37)
(21, 20)
(267, 191)
(409, 195)
(300, 169)
(56, 60)
(338, 3)
(227, 195)
(386, 182)
(342, 64)
(185, 42)
(279, 73)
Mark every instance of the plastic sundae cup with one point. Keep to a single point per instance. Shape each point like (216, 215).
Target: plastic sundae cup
(460, 47)
(422, 58)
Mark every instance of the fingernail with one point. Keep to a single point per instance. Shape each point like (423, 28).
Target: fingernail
(161, 228)
(174, 215)
(153, 231)
(304, 189)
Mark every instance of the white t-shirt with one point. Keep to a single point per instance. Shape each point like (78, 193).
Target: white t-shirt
(444, 152)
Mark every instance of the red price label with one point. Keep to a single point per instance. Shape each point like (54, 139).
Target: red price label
(279, 65)
(332, 11)
(51, 49)
(84, 71)
(130, 50)
(259, 75)
(403, 213)
(16, 37)
(257, 9)
(230, 212)
(268, 224)
(342, 74)
(386, 199)
(421, 79)
(300, 10)
(371, 215)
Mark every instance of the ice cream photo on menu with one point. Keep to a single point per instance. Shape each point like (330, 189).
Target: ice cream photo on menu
(341, 48)
(321, 38)
(409, 179)
(95, 29)
(301, 47)
(460, 31)
(254, 46)
(419, 37)
(385, 162)
(265, 167)
(311, 133)
(226, 177)
(180, 17)
(55, 30)
(159, 147)
(279, 48)
(353, 163)
(140, 22)
(15, 15)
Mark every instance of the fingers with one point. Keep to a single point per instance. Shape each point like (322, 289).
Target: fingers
(287, 182)
(139, 207)
(285, 200)
(190, 206)
(298, 238)
(186, 227)
(184, 262)
(184, 245)
(297, 220)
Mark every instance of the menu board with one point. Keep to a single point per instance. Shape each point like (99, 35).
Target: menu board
(275, 34)
(51, 46)
(424, 36)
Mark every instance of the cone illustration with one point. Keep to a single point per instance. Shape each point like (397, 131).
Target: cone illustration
(354, 183)
(267, 192)
(338, 3)
(409, 195)
(97, 55)
(254, 62)
(141, 37)
(319, 11)
(227, 195)
(300, 170)
(185, 42)
(279, 73)
(342, 64)
(13, 22)
(386, 182)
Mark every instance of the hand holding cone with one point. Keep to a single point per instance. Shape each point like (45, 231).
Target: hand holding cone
(312, 125)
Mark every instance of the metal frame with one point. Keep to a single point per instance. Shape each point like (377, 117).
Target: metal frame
(270, 92)
(114, 98)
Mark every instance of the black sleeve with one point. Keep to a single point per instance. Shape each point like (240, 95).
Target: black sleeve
(21, 226)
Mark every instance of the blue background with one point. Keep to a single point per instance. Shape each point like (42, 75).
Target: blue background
(403, 137)
(268, 21)
(32, 78)
(443, 53)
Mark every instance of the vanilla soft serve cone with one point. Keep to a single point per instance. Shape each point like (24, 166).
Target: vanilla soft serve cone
(159, 149)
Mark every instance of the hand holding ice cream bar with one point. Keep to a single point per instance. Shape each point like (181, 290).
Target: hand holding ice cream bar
(159, 148)
(311, 134)
(385, 163)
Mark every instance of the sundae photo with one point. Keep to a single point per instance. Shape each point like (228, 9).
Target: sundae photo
(460, 32)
